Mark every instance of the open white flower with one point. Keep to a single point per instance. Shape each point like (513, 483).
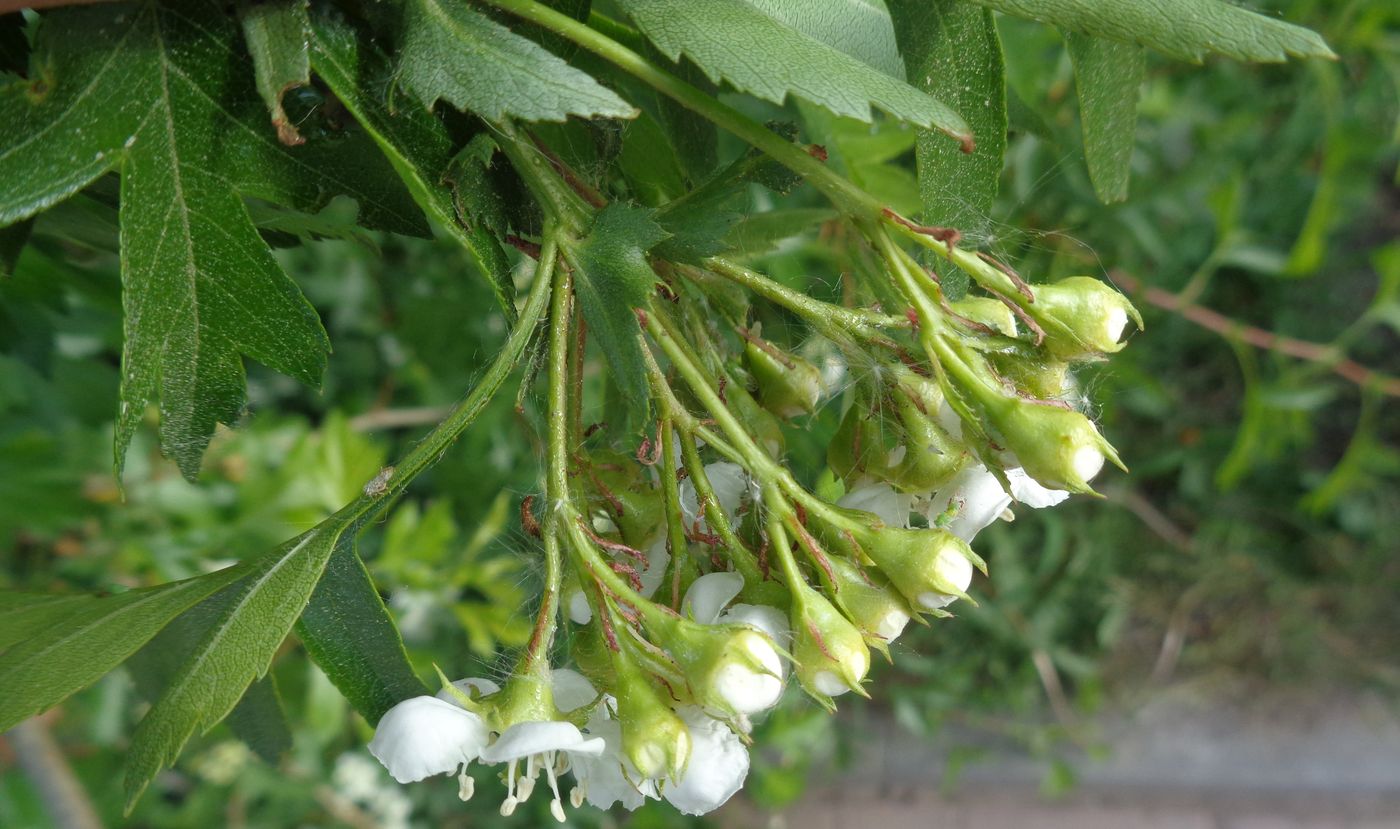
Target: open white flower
(424, 736)
(550, 747)
(881, 499)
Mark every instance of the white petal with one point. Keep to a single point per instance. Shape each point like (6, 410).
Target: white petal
(1028, 491)
(891, 625)
(830, 684)
(717, 768)
(655, 571)
(978, 498)
(890, 506)
(526, 738)
(424, 736)
(770, 620)
(728, 480)
(747, 688)
(482, 686)
(709, 594)
(1114, 323)
(949, 420)
(571, 689)
(1088, 461)
(604, 776)
(956, 569)
(580, 612)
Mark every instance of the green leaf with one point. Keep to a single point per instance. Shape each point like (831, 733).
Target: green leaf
(761, 232)
(148, 91)
(614, 279)
(349, 633)
(257, 720)
(415, 143)
(1184, 29)
(453, 53)
(953, 52)
(278, 34)
(649, 163)
(1107, 76)
(860, 28)
(12, 242)
(67, 643)
(757, 54)
(235, 649)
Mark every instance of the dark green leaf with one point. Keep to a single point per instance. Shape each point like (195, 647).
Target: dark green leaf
(952, 51)
(236, 648)
(260, 721)
(1185, 29)
(465, 58)
(278, 34)
(349, 633)
(761, 232)
(414, 142)
(1107, 75)
(649, 164)
(734, 41)
(614, 279)
(479, 203)
(12, 241)
(71, 641)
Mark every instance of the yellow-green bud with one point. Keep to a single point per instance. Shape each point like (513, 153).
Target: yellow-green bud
(654, 738)
(992, 313)
(1083, 318)
(730, 668)
(930, 567)
(831, 655)
(1058, 447)
(787, 385)
(1045, 379)
(869, 600)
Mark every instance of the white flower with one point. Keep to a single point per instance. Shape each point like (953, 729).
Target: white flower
(730, 483)
(976, 498)
(1028, 491)
(880, 498)
(424, 736)
(746, 687)
(718, 765)
(717, 768)
(550, 746)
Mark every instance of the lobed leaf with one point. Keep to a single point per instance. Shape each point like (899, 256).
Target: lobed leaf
(1107, 75)
(613, 279)
(278, 34)
(1184, 29)
(953, 52)
(734, 41)
(349, 633)
(413, 141)
(453, 53)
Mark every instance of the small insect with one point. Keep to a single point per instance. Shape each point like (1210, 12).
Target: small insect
(380, 483)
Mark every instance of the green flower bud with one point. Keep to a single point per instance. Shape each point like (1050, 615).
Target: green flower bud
(1083, 318)
(787, 385)
(621, 495)
(733, 669)
(930, 567)
(830, 653)
(869, 601)
(1039, 378)
(1058, 447)
(654, 738)
(757, 420)
(902, 442)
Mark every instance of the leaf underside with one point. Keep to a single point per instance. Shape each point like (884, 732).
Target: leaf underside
(734, 41)
(1107, 75)
(1184, 29)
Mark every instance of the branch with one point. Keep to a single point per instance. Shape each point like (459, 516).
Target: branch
(1326, 356)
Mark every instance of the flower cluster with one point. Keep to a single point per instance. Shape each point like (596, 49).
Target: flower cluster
(700, 578)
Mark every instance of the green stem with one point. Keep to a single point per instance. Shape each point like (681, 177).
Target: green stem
(554, 195)
(842, 193)
(375, 500)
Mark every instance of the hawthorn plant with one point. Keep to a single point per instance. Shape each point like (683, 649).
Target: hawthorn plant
(696, 573)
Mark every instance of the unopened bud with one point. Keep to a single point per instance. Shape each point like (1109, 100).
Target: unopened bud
(1083, 318)
(930, 567)
(869, 600)
(831, 655)
(992, 313)
(731, 668)
(654, 738)
(786, 384)
(1057, 446)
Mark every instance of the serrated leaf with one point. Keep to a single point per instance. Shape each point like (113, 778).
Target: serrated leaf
(415, 142)
(860, 28)
(260, 721)
(474, 194)
(71, 641)
(147, 90)
(278, 34)
(614, 279)
(236, 648)
(453, 53)
(1184, 29)
(953, 52)
(734, 41)
(1107, 76)
(349, 633)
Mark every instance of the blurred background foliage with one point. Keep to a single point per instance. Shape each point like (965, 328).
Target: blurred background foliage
(1254, 539)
